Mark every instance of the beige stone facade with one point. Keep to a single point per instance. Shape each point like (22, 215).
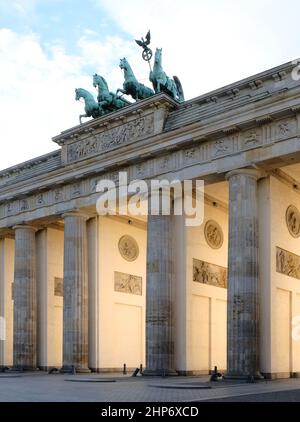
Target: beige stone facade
(83, 291)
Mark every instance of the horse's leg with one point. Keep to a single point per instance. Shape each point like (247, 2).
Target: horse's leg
(103, 105)
(81, 116)
(126, 102)
(121, 90)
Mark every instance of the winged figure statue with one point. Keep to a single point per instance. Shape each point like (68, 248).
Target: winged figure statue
(144, 42)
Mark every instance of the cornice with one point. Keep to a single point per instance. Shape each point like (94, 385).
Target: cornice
(158, 145)
(114, 119)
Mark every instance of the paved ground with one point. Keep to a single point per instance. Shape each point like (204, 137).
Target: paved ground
(292, 396)
(40, 387)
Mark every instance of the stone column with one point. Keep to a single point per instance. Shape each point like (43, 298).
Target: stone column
(160, 297)
(25, 312)
(93, 262)
(243, 277)
(75, 315)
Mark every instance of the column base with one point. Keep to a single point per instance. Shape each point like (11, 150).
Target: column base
(19, 368)
(280, 375)
(70, 369)
(159, 373)
(4, 368)
(244, 377)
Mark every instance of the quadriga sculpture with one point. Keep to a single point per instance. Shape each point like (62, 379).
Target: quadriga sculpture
(107, 100)
(131, 86)
(92, 108)
(162, 83)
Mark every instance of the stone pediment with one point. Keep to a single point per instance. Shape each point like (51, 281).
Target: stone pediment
(133, 123)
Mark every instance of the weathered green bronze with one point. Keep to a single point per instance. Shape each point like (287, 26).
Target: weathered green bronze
(107, 100)
(131, 85)
(162, 83)
(144, 43)
(92, 108)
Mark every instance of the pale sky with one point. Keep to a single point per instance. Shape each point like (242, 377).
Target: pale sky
(50, 47)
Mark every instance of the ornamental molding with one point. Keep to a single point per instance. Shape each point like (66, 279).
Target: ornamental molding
(158, 104)
(68, 190)
(128, 248)
(214, 234)
(293, 221)
(88, 140)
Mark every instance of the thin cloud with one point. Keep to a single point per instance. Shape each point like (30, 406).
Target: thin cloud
(207, 43)
(37, 95)
(21, 7)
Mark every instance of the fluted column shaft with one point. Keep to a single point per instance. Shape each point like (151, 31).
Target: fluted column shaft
(25, 311)
(160, 284)
(75, 314)
(243, 304)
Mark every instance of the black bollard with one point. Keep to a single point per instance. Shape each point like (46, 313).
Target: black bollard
(216, 376)
(124, 369)
(136, 372)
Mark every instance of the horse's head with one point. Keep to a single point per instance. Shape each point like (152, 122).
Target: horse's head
(95, 80)
(82, 93)
(124, 64)
(100, 82)
(158, 54)
(77, 94)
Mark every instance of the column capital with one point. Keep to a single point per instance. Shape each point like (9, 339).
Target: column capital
(254, 173)
(25, 227)
(82, 214)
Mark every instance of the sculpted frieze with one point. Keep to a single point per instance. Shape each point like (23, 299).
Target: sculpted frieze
(286, 128)
(9, 208)
(127, 283)
(24, 206)
(76, 189)
(147, 167)
(224, 146)
(206, 273)
(140, 170)
(40, 200)
(252, 137)
(58, 195)
(288, 263)
(111, 138)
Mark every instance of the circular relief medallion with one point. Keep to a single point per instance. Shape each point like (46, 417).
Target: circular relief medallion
(128, 248)
(293, 220)
(213, 235)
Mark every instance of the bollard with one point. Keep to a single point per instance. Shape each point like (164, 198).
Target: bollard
(136, 372)
(216, 376)
(141, 369)
(124, 369)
